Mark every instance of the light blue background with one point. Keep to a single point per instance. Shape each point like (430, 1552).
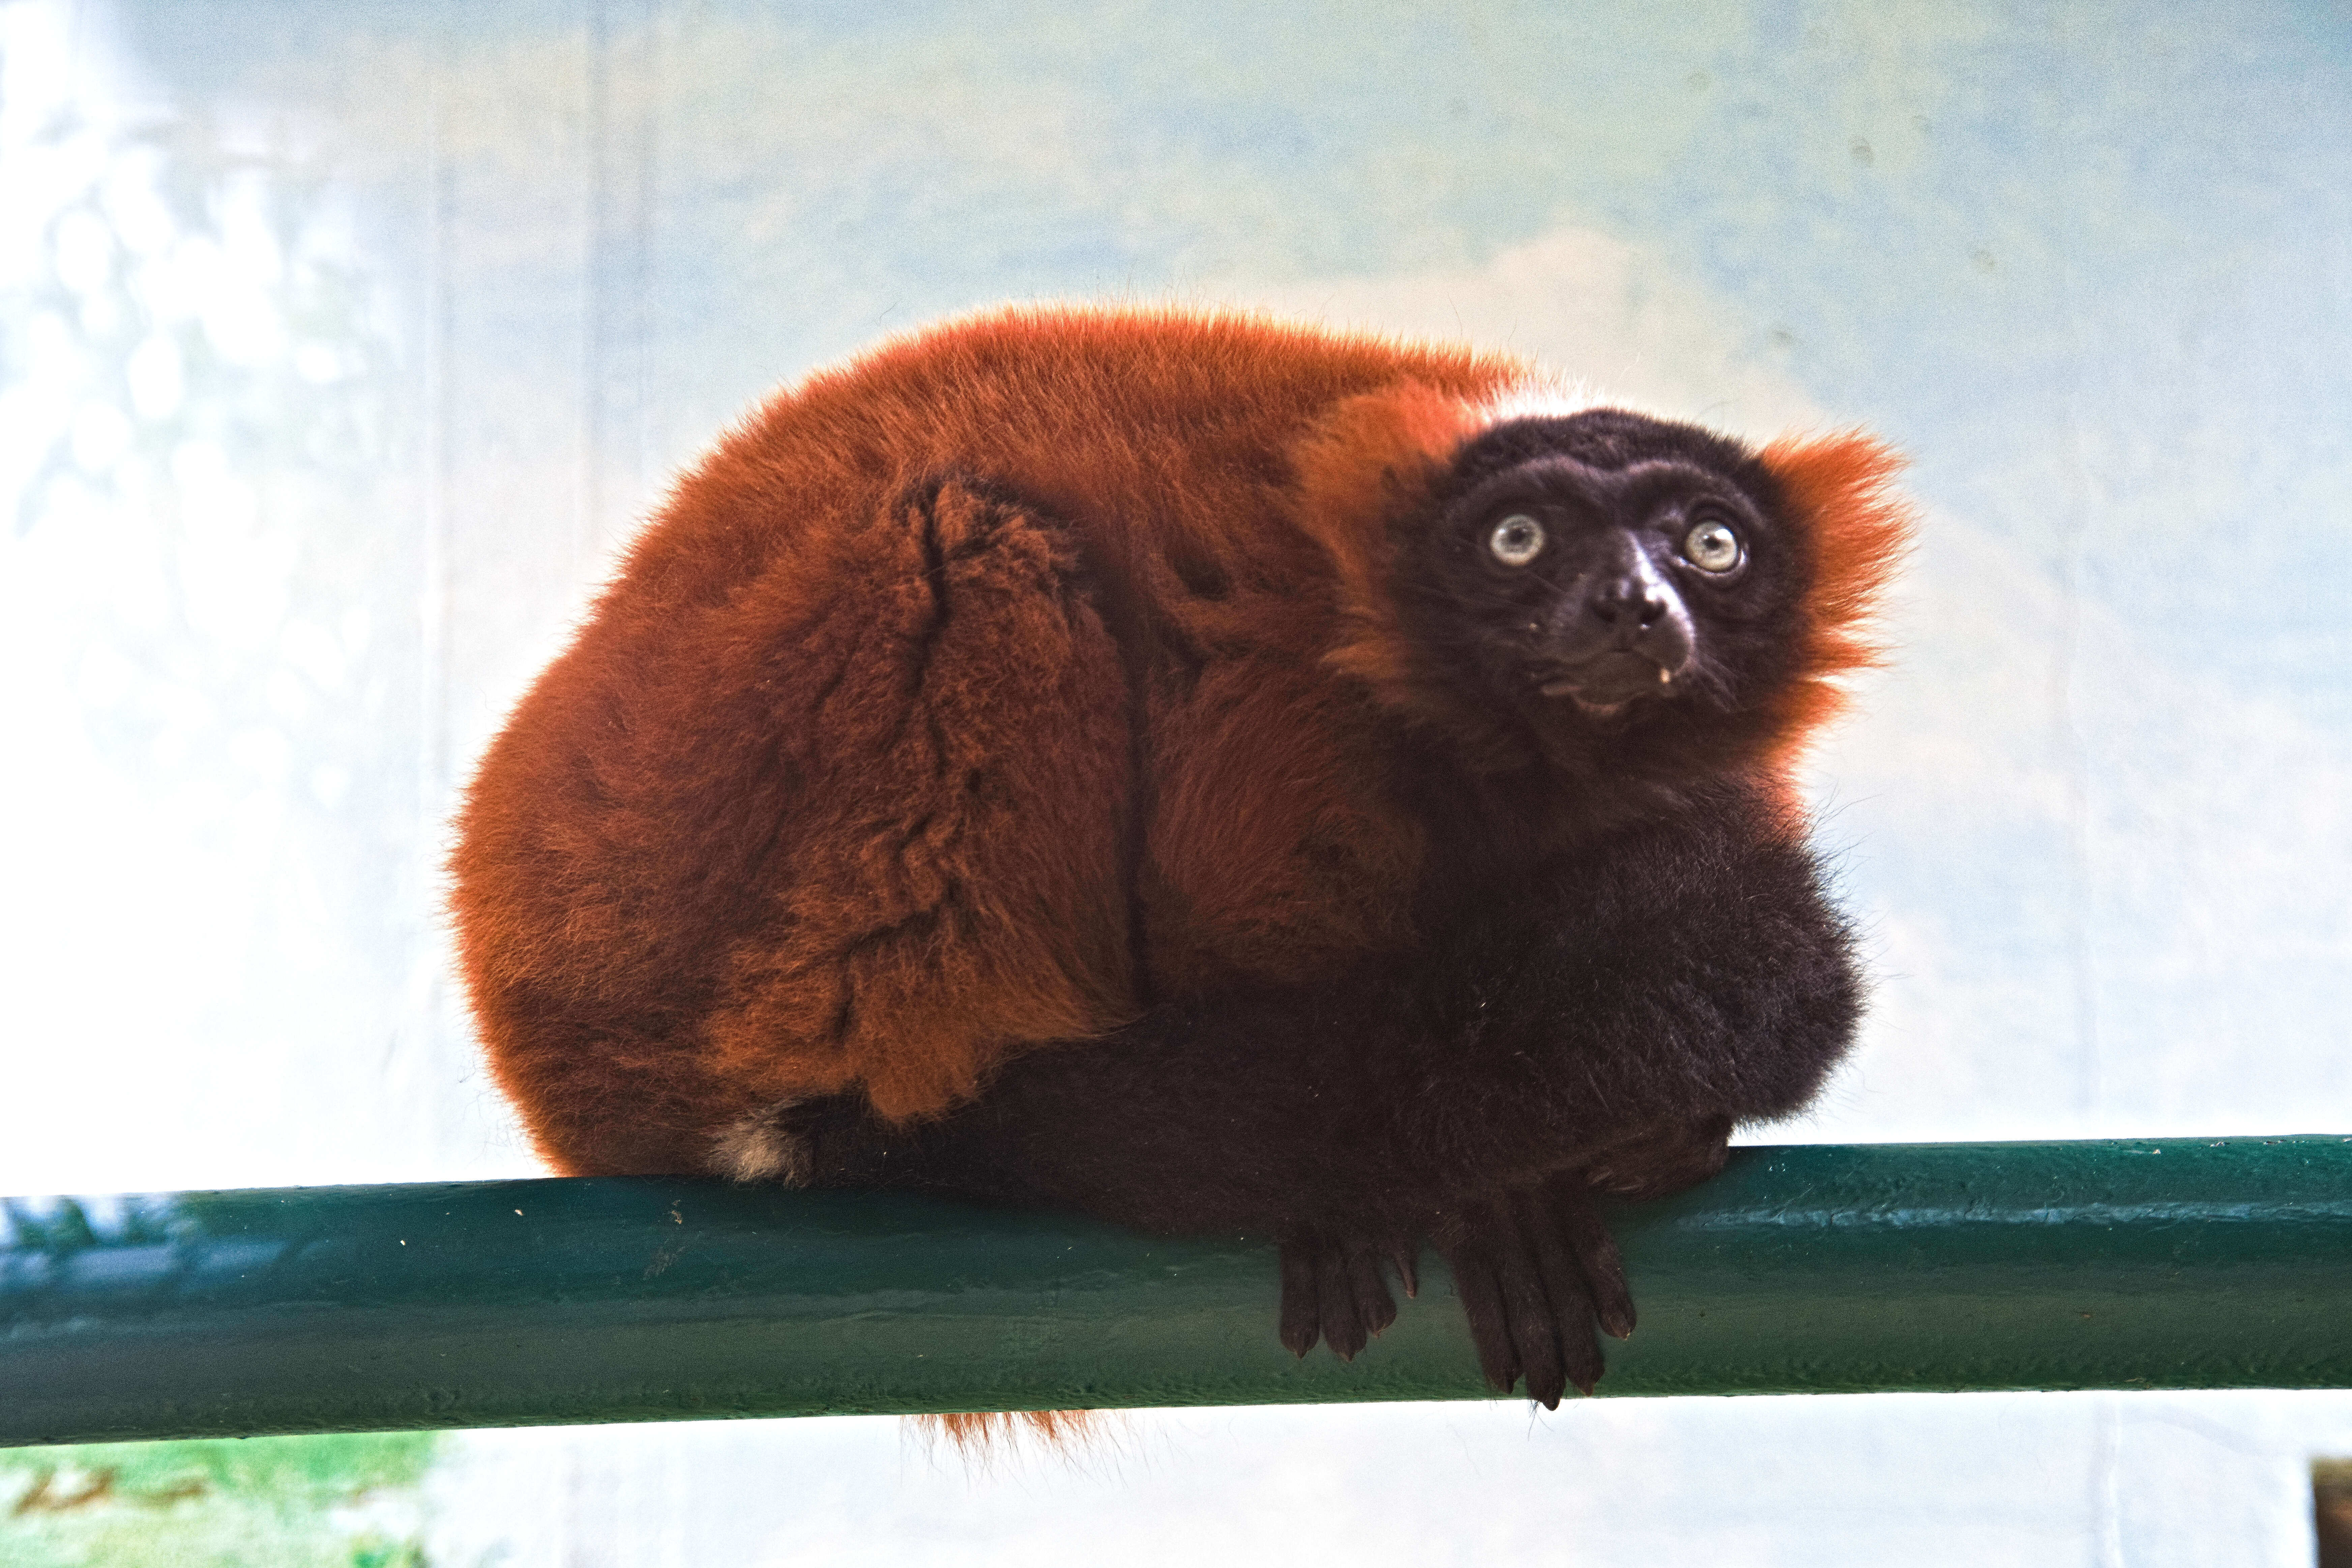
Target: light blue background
(340, 344)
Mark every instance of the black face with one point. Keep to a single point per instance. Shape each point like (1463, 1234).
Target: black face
(1613, 567)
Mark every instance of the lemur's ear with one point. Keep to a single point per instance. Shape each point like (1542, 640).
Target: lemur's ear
(1854, 526)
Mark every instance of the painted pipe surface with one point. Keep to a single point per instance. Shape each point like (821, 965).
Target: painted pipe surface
(2171, 1264)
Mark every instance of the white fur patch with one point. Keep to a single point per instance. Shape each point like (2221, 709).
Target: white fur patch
(1555, 397)
(754, 1149)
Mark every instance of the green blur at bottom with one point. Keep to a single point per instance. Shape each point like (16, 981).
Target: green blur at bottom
(264, 1502)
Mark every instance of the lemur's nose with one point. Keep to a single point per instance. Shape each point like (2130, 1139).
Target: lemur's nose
(1637, 597)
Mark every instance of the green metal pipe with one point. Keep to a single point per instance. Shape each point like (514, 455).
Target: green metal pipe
(2173, 1263)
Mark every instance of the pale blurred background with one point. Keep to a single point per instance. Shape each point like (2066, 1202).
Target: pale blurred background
(342, 341)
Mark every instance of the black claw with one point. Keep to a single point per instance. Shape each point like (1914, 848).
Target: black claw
(1408, 1266)
(1301, 1315)
(1482, 1304)
(1343, 1327)
(1540, 1320)
(1375, 1308)
(1583, 1354)
(1570, 1317)
(1546, 1394)
(1598, 1260)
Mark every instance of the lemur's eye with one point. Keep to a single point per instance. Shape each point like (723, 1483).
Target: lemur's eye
(1517, 539)
(1712, 546)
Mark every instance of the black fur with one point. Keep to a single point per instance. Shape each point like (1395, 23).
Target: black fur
(1600, 1021)
(1623, 951)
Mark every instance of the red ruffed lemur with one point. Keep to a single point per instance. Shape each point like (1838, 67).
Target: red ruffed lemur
(1215, 775)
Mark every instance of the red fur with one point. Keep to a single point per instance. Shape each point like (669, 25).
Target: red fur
(979, 1435)
(773, 828)
(1839, 492)
(1372, 458)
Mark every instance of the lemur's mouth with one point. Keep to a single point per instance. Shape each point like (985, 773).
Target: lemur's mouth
(1603, 685)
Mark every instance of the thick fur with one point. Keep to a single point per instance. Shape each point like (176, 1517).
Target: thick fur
(1041, 761)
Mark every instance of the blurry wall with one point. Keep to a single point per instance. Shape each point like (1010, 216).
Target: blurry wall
(342, 341)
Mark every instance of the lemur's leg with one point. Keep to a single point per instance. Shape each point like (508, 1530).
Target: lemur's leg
(952, 775)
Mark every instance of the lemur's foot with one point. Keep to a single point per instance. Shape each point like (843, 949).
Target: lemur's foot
(1335, 1290)
(1539, 1273)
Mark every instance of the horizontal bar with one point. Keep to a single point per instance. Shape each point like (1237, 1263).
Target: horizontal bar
(2201, 1263)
